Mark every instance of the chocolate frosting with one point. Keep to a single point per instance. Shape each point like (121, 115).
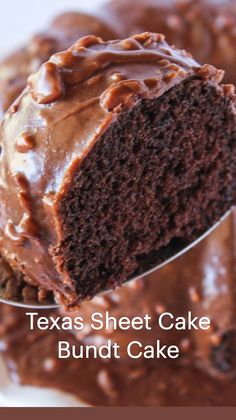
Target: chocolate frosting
(61, 34)
(92, 78)
(205, 28)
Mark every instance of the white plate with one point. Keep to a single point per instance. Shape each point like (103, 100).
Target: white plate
(13, 395)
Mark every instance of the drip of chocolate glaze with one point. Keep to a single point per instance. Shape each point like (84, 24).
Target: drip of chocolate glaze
(27, 228)
(25, 142)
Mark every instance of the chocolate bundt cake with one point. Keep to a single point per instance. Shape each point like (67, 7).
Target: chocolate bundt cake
(116, 155)
(205, 28)
(61, 34)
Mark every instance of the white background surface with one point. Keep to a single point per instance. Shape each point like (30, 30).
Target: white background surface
(19, 19)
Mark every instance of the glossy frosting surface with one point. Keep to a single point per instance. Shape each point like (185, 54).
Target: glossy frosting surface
(205, 28)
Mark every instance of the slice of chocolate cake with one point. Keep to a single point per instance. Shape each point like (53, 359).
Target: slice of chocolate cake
(117, 155)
